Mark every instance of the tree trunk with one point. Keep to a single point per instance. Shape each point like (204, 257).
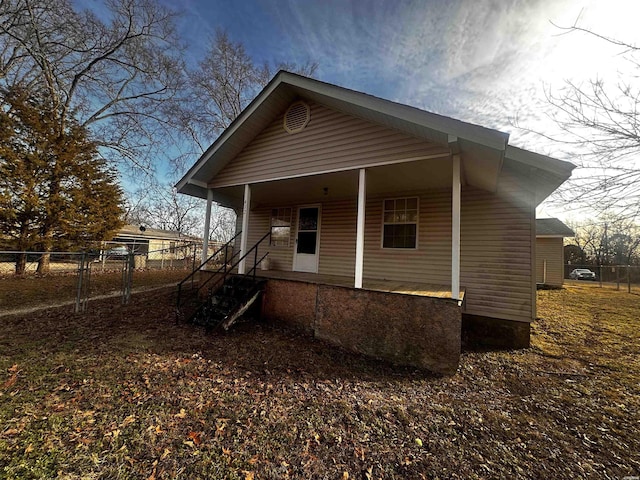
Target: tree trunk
(43, 264)
(21, 263)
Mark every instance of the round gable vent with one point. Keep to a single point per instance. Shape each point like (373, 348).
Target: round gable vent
(296, 117)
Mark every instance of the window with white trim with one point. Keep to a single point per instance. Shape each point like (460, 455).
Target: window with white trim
(400, 223)
(280, 227)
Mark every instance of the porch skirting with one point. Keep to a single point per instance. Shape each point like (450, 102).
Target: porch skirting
(419, 331)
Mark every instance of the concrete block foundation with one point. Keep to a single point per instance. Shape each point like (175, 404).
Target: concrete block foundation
(419, 331)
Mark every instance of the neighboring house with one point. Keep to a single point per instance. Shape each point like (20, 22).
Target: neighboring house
(550, 235)
(365, 198)
(154, 243)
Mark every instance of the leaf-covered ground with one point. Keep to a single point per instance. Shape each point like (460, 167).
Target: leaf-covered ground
(123, 392)
(21, 292)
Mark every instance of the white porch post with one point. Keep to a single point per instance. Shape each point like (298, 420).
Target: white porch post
(362, 197)
(455, 229)
(245, 227)
(207, 226)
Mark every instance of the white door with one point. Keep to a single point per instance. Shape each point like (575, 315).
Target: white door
(305, 257)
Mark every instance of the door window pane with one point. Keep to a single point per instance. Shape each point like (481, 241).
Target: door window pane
(308, 219)
(307, 242)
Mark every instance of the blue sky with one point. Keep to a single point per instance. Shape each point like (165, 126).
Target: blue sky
(483, 61)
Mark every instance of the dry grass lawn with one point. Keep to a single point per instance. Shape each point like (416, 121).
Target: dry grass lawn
(123, 392)
(20, 292)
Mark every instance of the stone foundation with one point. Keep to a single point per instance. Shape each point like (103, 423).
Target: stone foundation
(410, 330)
(478, 331)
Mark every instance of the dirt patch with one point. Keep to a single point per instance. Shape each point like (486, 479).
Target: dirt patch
(124, 392)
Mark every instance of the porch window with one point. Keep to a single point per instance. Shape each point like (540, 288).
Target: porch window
(400, 223)
(280, 227)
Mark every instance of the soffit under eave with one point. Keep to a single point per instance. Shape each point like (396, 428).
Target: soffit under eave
(541, 182)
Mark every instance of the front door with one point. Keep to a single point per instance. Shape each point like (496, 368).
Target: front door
(305, 258)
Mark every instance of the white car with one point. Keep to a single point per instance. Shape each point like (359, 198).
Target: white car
(582, 274)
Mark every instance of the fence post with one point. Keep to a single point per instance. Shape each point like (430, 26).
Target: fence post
(80, 275)
(127, 277)
(617, 277)
(600, 274)
(629, 278)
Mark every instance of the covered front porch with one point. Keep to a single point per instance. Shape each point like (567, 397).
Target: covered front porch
(391, 228)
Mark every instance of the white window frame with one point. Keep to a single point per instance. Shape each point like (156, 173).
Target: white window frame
(383, 223)
(271, 245)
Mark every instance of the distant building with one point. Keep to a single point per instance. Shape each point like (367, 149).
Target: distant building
(550, 235)
(151, 245)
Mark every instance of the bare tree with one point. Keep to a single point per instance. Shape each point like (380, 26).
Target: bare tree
(601, 120)
(116, 74)
(610, 240)
(222, 85)
(223, 224)
(159, 205)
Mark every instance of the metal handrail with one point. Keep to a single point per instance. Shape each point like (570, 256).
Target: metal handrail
(202, 265)
(224, 269)
(255, 259)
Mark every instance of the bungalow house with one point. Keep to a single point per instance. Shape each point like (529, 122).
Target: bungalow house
(550, 235)
(389, 230)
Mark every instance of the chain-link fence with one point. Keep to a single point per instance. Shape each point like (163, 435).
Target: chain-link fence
(33, 280)
(618, 277)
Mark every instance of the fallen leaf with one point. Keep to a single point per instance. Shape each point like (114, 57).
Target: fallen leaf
(182, 414)
(195, 436)
(248, 475)
(129, 420)
(29, 448)
(345, 475)
(11, 382)
(418, 442)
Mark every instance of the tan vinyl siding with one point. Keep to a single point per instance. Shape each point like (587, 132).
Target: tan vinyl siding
(550, 250)
(331, 141)
(338, 238)
(496, 250)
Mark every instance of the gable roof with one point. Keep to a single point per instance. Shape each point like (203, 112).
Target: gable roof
(552, 228)
(482, 149)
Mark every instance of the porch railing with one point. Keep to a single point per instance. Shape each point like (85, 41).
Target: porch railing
(200, 267)
(225, 269)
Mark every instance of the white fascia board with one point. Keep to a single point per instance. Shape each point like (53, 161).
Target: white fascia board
(543, 162)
